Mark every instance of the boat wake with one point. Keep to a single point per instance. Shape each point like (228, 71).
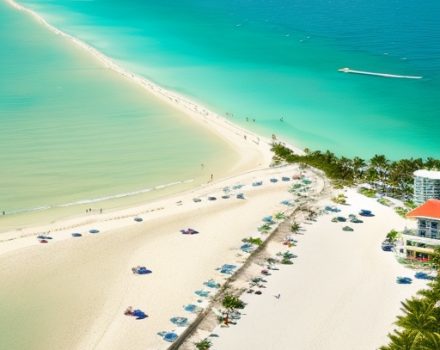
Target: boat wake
(384, 75)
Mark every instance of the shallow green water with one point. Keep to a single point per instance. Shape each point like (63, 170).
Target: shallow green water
(72, 131)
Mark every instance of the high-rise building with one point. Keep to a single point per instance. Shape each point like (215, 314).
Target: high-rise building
(426, 185)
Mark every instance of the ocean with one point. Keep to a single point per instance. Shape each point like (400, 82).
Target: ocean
(73, 133)
(267, 59)
(268, 65)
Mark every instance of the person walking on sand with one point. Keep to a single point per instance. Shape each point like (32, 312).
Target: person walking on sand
(212, 177)
(277, 296)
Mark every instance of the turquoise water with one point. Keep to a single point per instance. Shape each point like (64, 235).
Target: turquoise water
(72, 131)
(267, 59)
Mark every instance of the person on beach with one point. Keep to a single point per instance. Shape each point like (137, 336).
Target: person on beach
(278, 296)
(212, 177)
(100, 211)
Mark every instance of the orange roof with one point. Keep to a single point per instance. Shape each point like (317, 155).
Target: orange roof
(430, 209)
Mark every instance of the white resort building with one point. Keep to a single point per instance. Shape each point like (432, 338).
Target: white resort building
(420, 243)
(426, 185)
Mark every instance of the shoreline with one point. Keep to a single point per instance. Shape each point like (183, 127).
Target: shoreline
(123, 243)
(252, 151)
(211, 120)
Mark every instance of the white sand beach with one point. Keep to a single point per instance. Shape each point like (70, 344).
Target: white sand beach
(71, 293)
(89, 278)
(341, 293)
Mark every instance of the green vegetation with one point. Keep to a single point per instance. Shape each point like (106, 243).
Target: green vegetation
(385, 201)
(286, 257)
(255, 241)
(401, 211)
(340, 199)
(295, 227)
(231, 302)
(394, 178)
(368, 192)
(279, 216)
(264, 228)
(204, 344)
(392, 236)
(419, 326)
(410, 204)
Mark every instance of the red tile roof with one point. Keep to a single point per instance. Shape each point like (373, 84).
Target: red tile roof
(430, 209)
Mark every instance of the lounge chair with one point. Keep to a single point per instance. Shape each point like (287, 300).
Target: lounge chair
(44, 237)
(137, 219)
(197, 200)
(76, 234)
(191, 308)
(202, 293)
(170, 337)
(268, 219)
(423, 276)
(93, 230)
(139, 314)
(212, 198)
(347, 228)
(212, 284)
(365, 212)
(404, 280)
(179, 321)
(240, 196)
(227, 269)
(273, 180)
(189, 231)
(285, 178)
(141, 270)
(247, 248)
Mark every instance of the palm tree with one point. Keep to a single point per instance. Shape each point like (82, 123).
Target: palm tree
(380, 165)
(400, 341)
(264, 228)
(358, 167)
(230, 303)
(204, 344)
(431, 341)
(432, 163)
(295, 227)
(418, 318)
(280, 216)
